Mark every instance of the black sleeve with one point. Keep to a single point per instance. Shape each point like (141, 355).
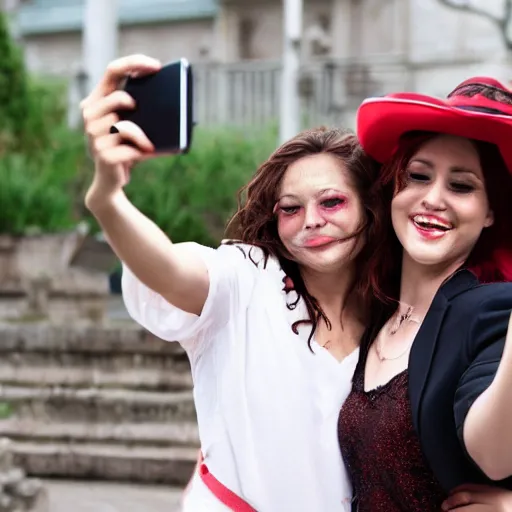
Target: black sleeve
(485, 342)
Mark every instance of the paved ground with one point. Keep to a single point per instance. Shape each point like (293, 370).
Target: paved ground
(70, 496)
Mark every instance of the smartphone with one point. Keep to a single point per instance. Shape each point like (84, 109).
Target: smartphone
(163, 106)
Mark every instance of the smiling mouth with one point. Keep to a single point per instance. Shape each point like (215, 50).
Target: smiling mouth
(430, 223)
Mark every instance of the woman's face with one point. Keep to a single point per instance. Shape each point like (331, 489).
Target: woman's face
(439, 215)
(318, 210)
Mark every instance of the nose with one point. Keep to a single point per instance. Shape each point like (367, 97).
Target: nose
(434, 199)
(313, 219)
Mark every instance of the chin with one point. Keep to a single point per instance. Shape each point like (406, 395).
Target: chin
(326, 269)
(426, 260)
(435, 258)
(425, 255)
(328, 261)
(328, 265)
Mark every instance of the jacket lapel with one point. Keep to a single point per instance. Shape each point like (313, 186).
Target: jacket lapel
(424, 346)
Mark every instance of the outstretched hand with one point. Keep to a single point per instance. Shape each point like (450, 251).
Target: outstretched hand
(108, 145)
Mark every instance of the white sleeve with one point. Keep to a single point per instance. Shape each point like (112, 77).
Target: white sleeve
(232, 276)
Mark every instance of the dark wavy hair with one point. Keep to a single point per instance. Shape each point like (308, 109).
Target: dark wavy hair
(255, 222)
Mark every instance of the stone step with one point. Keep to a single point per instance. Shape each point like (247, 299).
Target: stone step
(183, 433)
(98, 405)
(129, 338)
(105, 402)
(127, 358)
(145, 375)
(172, 465)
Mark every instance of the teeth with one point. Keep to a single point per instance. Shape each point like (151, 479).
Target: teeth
(429, 222)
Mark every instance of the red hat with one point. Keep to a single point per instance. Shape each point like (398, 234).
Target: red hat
(382, 121)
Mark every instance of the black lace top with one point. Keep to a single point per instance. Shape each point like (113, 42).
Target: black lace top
(382, 451)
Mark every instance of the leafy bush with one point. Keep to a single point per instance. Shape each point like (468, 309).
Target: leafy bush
(14, 94)
(42, 192)
(27, 106)
(189, 196)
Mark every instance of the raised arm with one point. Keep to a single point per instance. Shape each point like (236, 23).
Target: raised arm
(484, 393)
(173, 271)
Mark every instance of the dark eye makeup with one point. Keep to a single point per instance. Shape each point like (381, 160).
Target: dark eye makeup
(289, 210)
(332, 202)
(463, 187)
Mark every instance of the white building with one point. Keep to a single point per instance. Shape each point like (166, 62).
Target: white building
(352, 48)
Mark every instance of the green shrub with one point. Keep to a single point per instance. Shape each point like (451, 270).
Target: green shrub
(14, 94)
(43, 191)
(190, 196)
(47, 114)
(28, 106)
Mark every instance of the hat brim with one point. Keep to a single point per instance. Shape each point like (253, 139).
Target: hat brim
(382, 121)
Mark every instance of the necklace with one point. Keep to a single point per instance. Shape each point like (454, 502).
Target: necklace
(400, 319)
(382, 357)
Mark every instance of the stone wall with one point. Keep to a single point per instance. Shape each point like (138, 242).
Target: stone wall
(39, 280)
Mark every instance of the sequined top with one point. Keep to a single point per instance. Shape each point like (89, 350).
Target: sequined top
(382, 451)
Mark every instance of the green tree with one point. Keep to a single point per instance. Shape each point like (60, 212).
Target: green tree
(14, 90)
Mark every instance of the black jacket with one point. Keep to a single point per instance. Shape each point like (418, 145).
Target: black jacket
(454, 359)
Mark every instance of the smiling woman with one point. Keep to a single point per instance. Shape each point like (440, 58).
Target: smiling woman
(429, 380)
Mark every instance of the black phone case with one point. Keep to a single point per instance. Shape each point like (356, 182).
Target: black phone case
(158, 99)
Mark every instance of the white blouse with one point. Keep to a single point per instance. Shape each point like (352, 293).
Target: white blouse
(267, 407)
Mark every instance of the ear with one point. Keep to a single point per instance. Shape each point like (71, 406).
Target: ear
(489, 221)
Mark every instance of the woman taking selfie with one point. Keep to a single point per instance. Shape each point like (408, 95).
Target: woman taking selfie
(434, 378)
(268, 382)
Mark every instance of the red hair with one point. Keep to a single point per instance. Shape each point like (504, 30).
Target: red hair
(491, 258)
(255, 222)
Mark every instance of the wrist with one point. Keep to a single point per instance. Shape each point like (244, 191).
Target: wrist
(100, 202)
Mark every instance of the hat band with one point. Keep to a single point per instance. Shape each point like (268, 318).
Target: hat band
(485, 110)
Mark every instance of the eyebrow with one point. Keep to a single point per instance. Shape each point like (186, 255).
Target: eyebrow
(455, 169)
(318, 194)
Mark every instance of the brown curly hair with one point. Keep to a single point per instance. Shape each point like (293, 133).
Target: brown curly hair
(255, 222)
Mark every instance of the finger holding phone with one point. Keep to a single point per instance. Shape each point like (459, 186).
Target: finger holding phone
(100, 111)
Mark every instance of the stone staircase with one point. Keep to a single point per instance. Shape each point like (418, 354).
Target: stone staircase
(101, 403)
